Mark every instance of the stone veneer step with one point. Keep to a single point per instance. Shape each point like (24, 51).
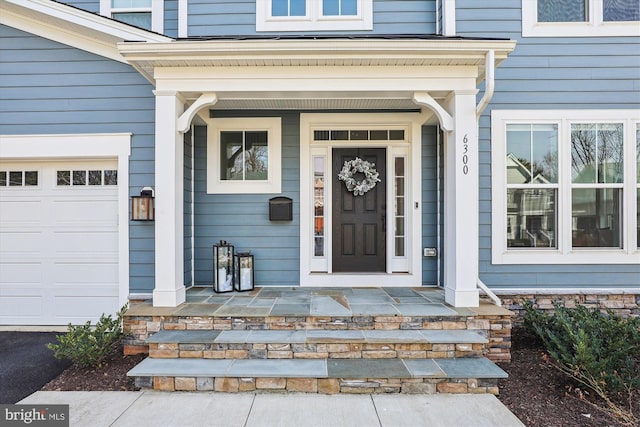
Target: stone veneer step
(319, 337)
(476, 375)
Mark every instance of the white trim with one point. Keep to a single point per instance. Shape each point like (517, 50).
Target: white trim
(448, 17)
(273, 126)
(183, 19)
(156, 10)
(595, 27)
(102, 145)
(411, 264)
(564, 254)
(314, 19)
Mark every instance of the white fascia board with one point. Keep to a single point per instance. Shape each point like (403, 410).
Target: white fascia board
(72, 27)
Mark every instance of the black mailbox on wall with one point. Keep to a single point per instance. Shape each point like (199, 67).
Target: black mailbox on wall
(280, 209)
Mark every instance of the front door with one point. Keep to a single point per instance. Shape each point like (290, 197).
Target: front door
(359, 222)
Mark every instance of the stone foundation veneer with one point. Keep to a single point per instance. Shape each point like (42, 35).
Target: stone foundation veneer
(496, 327)
(322, 385)
(625, 305)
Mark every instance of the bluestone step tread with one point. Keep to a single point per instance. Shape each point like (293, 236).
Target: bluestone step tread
(462, 336)
(319, 368)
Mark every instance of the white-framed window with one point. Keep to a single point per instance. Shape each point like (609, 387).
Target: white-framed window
(565, 186)
(244, 155)
(146, 14)
(314, 15)
(580, 18)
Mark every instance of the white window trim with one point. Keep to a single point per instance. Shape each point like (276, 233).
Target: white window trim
(73, 146)
(595, 27)
(564, 254)
(273, 126)
(314, 20)
(157, 12)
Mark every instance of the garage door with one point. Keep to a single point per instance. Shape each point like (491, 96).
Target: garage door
(58, 241)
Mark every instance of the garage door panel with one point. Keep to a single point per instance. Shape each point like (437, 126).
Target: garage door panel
(102, 243)
(86, 273)
(79, 309)
(20, 212)
(20, 243)
(83, 213)
(21, 309)
(92, 290)
(20, 273)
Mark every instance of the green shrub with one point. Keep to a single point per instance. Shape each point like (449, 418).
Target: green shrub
(600, 350)
(89, 346)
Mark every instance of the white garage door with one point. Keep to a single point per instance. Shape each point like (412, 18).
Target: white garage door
(58, 242)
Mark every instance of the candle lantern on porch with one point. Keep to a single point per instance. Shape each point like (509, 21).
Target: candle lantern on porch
(223, 272)
(244, 271)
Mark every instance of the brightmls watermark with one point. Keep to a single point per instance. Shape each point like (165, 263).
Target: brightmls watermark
(34, 415)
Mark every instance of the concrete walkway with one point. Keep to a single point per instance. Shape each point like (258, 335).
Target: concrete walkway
(151, 408)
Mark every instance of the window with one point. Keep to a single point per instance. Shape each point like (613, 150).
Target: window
(564, 187)
(243, 156)
(86, 177)
(146, 14)
(314, 15)
(580, 18)
(18, 178)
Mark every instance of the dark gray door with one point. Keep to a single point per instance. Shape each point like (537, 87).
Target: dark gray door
(359, 222)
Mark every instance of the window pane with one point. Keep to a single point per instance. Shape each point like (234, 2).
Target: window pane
(63, 178)
(231, 156)
(31, 178)
(597, 153)
(532, 154)
(3, 178)
(321, 135)
(256, 156)
(95, 177)
(621, 10)
(318, 205)
(330, 7)
(129, 4)
(638, 218)
(379, 135)
(79, 177)
(531, 218)
(562, 11)
(638, 152)
(288, 7)
(340, 135)
(595, 216)
(138, 19)
(111, 177)
(349, 7)
(359, 135)
(396, 135)
(15, 178)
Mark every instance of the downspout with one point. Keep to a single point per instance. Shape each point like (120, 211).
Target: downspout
(489, 79)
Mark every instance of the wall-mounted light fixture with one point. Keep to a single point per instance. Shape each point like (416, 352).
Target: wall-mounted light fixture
(142, 206)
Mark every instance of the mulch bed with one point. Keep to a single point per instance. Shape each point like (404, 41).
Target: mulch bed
(535, 391)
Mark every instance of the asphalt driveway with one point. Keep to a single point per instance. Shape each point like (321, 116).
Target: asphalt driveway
(26, 364)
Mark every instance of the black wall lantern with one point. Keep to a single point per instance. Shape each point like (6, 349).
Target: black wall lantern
(244, 271)
(142, 206)
(223, 271)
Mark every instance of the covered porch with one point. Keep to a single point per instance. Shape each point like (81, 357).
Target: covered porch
(419, 81)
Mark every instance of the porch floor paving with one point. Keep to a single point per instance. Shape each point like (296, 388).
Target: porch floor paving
(320, 302)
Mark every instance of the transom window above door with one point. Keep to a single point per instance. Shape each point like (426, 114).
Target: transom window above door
(314, 15)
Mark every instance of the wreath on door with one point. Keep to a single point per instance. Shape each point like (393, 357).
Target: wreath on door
(350, 172)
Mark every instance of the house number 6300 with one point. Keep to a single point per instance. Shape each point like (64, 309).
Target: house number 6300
(465, 157)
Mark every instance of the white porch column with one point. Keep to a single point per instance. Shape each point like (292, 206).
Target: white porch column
(169, 288)
(461, 203)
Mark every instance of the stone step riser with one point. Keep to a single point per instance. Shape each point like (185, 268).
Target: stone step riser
(315, 351)
(321, 385)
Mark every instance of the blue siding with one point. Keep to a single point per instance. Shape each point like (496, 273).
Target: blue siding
(171, 18)
(549, 73)
(243, 219)
(49, 88)
(88, 5)
(429, 202)
(238, 17)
